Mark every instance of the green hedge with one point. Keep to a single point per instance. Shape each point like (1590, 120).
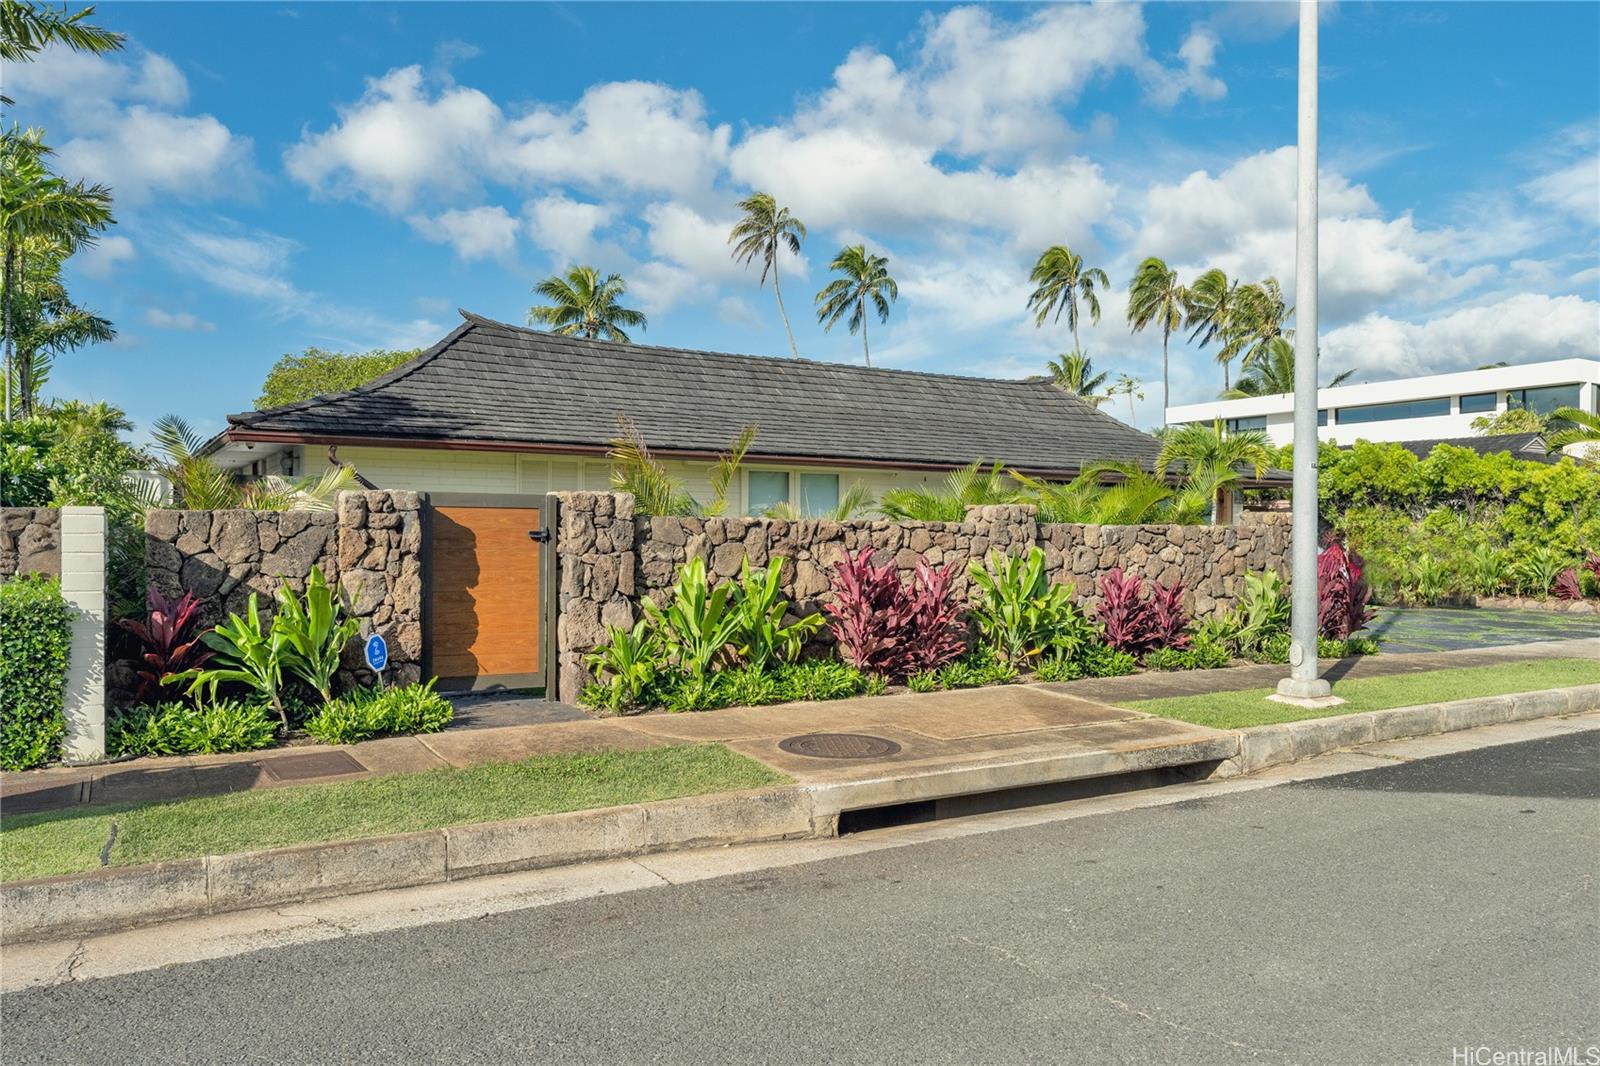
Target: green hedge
(35, 638)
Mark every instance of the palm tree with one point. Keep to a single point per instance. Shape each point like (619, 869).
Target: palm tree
(1155, 296)
(1074, 372)
(1059, 278)
(26, 29)
(1573, 425)
(201, 484)
(39, 206)
(1258, 320)
(1211, 457)
(763, 229)
(855, 503)
(1272, 374)
(1128, 386)
(1213, 307)
(866, 277)
(585, 305)
(970, 486)
(45, 323)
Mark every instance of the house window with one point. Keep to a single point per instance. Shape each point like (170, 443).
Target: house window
(819, 494)
(1322, 417)
(1478, 403)
(767, 488)
(1544, 400)
(1388, 412)
(1237, 425)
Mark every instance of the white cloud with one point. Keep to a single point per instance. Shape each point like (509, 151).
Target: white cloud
(474, 233)
(1574, 188)
(680, 233)
(84, 82)
(101, 259)
(1165, 86)
(566, 227)
(146, 151)
(1519, 329)
(180, 321)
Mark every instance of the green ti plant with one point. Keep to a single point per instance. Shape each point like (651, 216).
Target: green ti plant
(244, 652)
(626, 665)
(1019, 614)
(314, 632)
(698, 621)
(759, 637)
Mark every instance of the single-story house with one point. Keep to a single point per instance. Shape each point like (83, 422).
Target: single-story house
(495, 408)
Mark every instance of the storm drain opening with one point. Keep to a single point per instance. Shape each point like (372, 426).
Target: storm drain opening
(867, 819)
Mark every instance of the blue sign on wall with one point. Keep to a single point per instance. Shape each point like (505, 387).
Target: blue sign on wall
(377, 653)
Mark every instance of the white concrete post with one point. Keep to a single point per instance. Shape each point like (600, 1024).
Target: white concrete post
(83, 585)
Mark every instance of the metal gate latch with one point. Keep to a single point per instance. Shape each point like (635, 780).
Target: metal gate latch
(540, 535)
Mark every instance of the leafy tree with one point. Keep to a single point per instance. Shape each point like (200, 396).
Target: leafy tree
(585, 305)
(1213, 314)
(1074, 372)
(1060, 278)
(315, 372)
(1128, 386)
(67, 453)
(1155, 297)
(39, 209)
(765, 228)
(46, 323)
(26, 29)
(1273, 373)
(866, 278)
(1511, 420)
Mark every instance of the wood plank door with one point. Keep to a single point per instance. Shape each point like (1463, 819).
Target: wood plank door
(485, 624)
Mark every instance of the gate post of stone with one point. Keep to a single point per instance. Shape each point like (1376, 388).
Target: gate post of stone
(83, 586)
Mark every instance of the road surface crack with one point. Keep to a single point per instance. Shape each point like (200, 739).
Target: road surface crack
(69, 969)
(338, 927)
(1123, 1005)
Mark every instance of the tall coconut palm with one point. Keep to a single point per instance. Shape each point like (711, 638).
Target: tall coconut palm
(1074, 372)
(26, 29)
(1128, 386)
(1155, 297)
(1213, 314)
(1258, 319)
(765, 228)
(585, 305)
(45, 323)
(1272, 374)
(866, 278)
(40, 207)
(1060, 278)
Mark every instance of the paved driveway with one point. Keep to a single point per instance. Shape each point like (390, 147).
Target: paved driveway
(1414, 629)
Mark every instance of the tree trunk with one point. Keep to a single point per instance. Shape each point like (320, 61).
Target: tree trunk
(865, 353)
(10, 286)
(1166, 390)
(776, 291)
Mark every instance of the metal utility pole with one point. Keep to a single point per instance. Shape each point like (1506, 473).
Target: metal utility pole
(1303, 682)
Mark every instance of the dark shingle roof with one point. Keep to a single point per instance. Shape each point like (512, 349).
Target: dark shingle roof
(1521, 445)
(492, 382)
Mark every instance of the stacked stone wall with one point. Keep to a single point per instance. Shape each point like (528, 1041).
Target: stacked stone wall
(30, 541)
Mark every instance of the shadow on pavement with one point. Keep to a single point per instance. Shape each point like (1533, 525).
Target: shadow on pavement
(1564, 767)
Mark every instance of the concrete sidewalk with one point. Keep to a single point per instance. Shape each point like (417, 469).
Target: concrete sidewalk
(1012, 734)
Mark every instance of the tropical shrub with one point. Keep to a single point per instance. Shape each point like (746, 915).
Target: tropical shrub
(1019, 613)
(758, 636)
(625, 667)
(314, 632)
(1341, 593)
(376, 712)
(1484, 567)
(697, 623)
(1124, 613)
(1102, 660)
(35, 641)
(1566, 585)
(1536, 570)
(893, 628)
(171, 728)
(1429, 580)
(976, 669)
(1169, 618)
(168, 642)
(819, 679)
(246, 653)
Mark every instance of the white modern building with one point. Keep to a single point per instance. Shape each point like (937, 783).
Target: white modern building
(1425, 408)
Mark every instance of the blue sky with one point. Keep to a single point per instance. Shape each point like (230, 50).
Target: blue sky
(345, 176)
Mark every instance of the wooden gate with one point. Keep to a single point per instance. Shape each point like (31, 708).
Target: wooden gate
(486, 578)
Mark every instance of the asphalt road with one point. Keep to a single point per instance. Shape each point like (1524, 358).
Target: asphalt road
(1387, 916)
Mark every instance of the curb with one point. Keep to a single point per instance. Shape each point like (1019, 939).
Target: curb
(120, 898)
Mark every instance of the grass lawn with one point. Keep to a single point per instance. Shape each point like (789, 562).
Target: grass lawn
(1237, 710)
(59, 842)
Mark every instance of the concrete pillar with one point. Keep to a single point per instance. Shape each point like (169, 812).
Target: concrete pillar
(83, 585)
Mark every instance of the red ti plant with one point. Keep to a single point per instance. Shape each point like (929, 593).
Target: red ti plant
(1169, 619)
(171, 645)
(1127, 615)
(1566, 585)
(884, 626)
(1341, 593)
(1591, 563)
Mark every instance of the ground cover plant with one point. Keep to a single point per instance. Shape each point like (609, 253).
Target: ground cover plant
(35, 638)
(1250, 707)
(58, 842)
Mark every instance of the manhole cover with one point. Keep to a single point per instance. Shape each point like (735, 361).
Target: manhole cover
(317, 764)
(839, 746)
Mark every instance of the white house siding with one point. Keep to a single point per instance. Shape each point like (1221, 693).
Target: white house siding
(450, 470)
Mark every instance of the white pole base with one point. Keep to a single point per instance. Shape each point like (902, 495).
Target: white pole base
(1310, 692)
